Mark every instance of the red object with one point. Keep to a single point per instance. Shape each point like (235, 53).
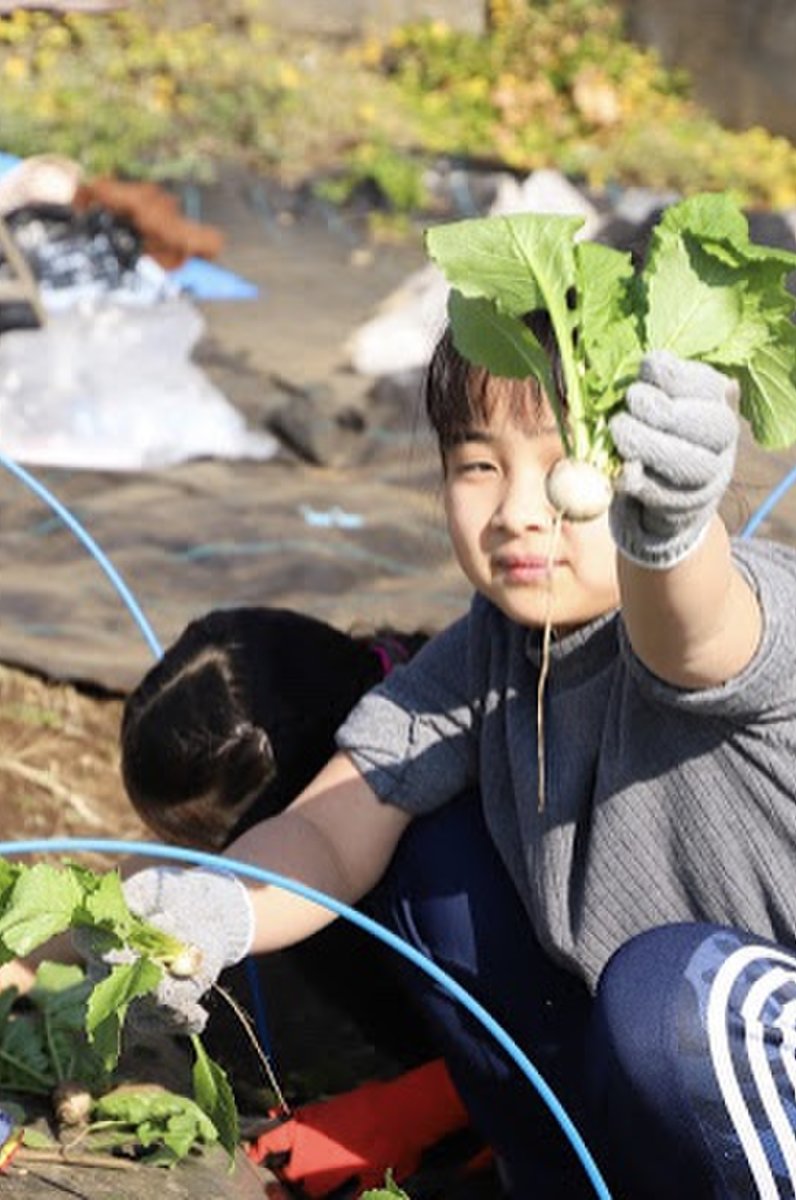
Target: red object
(9, 1148)
(360, 1134)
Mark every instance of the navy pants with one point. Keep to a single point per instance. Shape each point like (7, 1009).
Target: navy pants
(680, 1074)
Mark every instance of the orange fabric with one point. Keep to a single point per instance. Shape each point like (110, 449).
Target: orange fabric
(167, 236)
(364, 1132)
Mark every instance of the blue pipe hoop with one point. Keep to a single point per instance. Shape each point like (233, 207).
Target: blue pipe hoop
(218, 863)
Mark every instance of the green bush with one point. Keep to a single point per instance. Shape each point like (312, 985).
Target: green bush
(174, 88)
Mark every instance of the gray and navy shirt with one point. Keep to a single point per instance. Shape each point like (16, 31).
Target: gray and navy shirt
(661, 804)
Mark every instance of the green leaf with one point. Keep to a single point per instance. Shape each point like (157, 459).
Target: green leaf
(35, 1140)
(495, 340)
(768, 387)
(214, 1096)
(390, 1189)
(694, 303)
(41, 904)
(61, 997)
(522, 262)
(168, 1124)
(105, 907)
(25, 1064)
(706, 292)
(109, 1001)
(609, 324)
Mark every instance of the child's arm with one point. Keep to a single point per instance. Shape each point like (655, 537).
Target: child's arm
(337, 838)
(691, 616)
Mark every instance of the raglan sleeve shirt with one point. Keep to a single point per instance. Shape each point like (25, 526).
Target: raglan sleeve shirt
(413, 738)
(661, 804)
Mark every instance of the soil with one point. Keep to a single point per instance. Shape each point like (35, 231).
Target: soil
(59, 766)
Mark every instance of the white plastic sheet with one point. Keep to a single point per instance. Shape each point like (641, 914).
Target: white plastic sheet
(113, 387)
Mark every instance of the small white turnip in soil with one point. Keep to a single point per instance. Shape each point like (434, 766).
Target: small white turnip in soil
(72, 1103)
(578, 490)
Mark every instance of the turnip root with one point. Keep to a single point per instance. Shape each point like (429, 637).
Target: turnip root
(72, 1103)
(578, 490)
(186, 964)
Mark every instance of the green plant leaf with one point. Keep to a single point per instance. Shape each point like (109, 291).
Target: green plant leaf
(390, 1189)
(163, 1122)
(522, 262)
(104, 905)
(495, 340)
(706, 292)
(694, 302)
(214, 1096)
(41, 904)
(60, 996)
(609, 324)
(109, 1001)
(25, 1064)
(768, 387)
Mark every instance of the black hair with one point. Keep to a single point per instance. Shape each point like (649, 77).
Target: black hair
(457, 394)
(238, 717)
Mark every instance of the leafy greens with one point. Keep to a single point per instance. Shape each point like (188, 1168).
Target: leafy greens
(73, 1027)
(705, 292)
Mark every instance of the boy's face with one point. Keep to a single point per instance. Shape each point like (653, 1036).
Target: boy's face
(500, 523)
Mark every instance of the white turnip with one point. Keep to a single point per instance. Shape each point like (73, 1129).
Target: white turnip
(186, 963)
(578, 490)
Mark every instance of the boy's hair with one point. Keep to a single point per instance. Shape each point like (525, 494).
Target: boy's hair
(238, 717)
(459, 395)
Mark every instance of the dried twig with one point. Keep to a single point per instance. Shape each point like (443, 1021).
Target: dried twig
(27, 1154)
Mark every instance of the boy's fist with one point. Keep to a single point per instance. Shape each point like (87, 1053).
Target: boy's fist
(678, 440)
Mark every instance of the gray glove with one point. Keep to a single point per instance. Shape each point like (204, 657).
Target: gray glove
(205, 909)
(678, 440)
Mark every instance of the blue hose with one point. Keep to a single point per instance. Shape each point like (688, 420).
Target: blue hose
(260, 875)
(769, 504)
(96, 552)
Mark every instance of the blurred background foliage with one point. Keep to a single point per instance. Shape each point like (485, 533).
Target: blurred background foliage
(173, 91)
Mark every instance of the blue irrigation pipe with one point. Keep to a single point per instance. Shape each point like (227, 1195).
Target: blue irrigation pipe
(215, 862)
(96, 551)
(769, 504)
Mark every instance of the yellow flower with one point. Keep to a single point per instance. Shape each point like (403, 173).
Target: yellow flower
(16, 69)
(288, 77)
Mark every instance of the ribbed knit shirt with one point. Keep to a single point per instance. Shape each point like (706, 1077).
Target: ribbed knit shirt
(661, 804)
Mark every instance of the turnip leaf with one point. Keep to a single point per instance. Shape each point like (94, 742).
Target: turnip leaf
(214, 1095)
(768, 388)
(694, 303)
(522, 262)
(609, 326)
(706, 292)
(41, 904)
(109, 1001)
(492, 339)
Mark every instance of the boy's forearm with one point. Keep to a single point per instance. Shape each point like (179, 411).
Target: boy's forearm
(697, 624)
(337, 838)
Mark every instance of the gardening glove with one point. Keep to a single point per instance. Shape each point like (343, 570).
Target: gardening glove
(677, 440)
(205, 909)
